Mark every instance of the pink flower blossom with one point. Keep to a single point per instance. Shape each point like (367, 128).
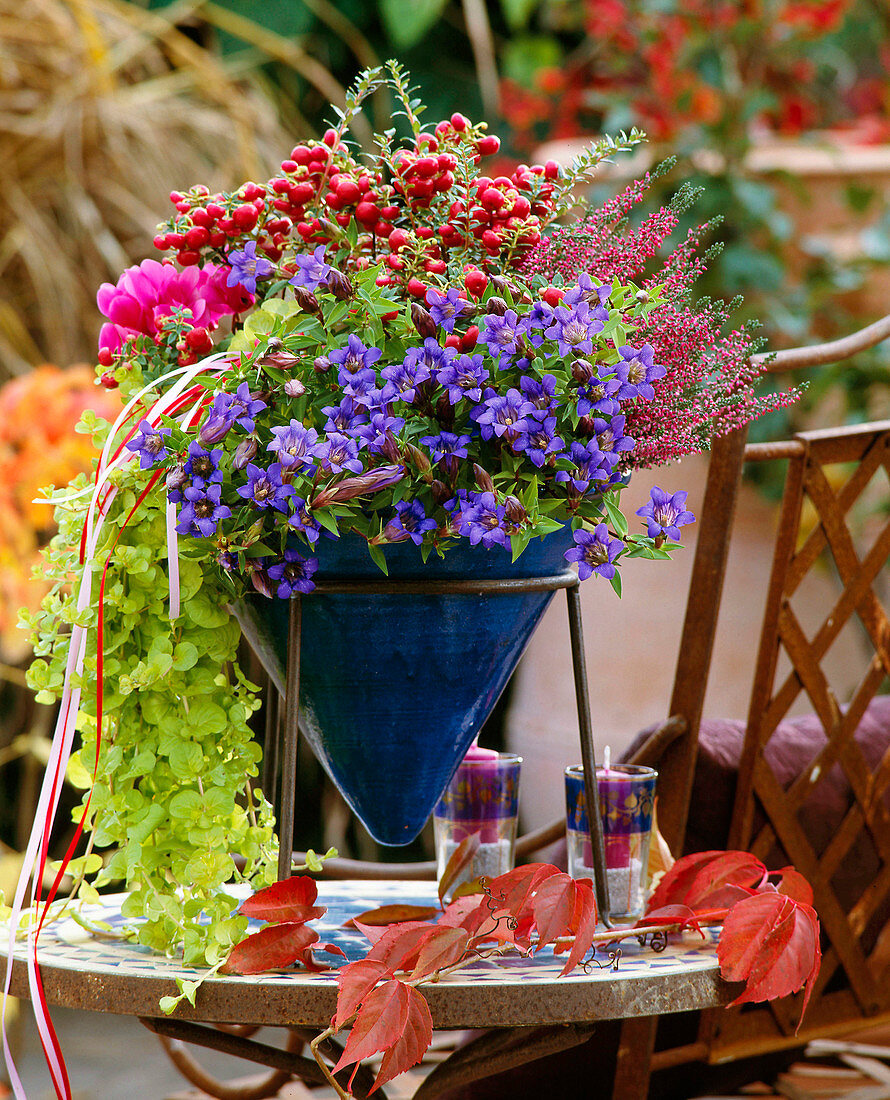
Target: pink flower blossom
(145, 294)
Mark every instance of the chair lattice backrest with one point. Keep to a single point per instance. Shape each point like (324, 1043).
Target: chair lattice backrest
(834, 529)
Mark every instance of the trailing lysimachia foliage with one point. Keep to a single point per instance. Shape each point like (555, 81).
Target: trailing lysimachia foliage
(173, 795)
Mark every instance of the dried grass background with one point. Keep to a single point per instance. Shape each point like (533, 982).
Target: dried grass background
(105, 106)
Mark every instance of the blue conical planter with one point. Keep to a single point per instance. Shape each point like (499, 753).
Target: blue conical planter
(393, 688)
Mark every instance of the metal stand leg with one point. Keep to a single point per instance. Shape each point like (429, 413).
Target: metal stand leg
(272, 746)
(291, 738)
(588, 758)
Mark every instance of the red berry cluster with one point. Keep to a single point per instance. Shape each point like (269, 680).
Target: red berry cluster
(408, 209)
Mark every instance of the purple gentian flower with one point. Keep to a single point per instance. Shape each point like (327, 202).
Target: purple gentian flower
(202, 467)
(409, 522)
(149, 444)
(265, 488)
(589, 465)
(541, 441)
(637, 370)
(355, 362)
(239, 407)
(303, 520)
(574, 329)
(337, 452)
(247, 267)
(405, 377)
(313, 271)
(381, 430)
(345, 417)
(538, 318)
(431, 355)
(610, 438)
(600, 396)
(446, 309)
(503, 415)
(482, 519)
(503, 336)
(541, 394)
(294, 574)
(463, 377)
(293, 444)
(665, 514)
(585, 291)
(594, 552)
(446, 445)
(202, 511)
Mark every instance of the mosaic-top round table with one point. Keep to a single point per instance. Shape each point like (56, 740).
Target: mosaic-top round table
(81, 971)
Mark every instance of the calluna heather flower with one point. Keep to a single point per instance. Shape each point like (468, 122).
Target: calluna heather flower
(149, 444)
(594, 551)
(665, 514)
(294, 574)
(247, 267)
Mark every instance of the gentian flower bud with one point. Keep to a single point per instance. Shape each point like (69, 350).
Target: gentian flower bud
(445, 411)
(582, 371)
(339, 285)
(498, 282)
(244, 453)
(176, 479)
(390, 447)
(213, 430)
(306, 300)
(483, 479)
(513, 510)
(423, 321)
(642, 296)
(496, 305)
(586, 426)
(372, 481)
(321, 365)
(418, 457)
(293, 387)
(261, 581)
(440, 491)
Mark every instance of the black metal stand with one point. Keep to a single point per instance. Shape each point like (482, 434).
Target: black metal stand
(284, 757)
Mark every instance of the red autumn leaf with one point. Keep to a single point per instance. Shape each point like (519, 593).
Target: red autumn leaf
(461, 858)
(355, 982)
(378, 1025)
(770, 942)
(457, 910)
(682, 915)
(392, 914)
(709, 880)
(582, 924)
(412, 1044)
(443, 947)
(271, 948)
(553, 906)
(332, 949)
(514, 890)
(291, 901)
(484, 926)
(398, 947)
(794, 885)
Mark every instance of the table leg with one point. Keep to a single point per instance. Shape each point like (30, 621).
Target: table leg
(634, 1065)
(498, 1050)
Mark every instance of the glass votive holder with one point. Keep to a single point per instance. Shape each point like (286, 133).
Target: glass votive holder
(483, 798)
(626, 796)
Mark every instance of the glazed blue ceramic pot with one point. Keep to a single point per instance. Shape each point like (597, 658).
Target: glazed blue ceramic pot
(394, 688)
